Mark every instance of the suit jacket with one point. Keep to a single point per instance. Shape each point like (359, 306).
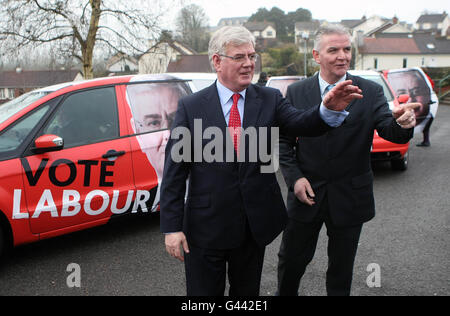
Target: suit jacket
(224, 197)
(339, 162)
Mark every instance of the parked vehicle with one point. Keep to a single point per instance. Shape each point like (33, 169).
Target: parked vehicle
(383, 150)
(419, 86)
(74, 156)
(283, 82)
(197, 80)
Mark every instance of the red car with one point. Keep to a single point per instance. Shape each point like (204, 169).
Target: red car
(383, 150)
(76, 155)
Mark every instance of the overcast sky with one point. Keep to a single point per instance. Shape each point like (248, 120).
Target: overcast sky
(332, 11)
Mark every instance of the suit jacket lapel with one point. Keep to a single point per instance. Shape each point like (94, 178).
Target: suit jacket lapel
(316, 96)
(355, 83)
(252, 107)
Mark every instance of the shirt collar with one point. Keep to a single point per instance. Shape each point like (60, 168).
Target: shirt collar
(225, 94)
(323, 84)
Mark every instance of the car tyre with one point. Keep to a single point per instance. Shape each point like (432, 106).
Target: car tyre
(400, 164)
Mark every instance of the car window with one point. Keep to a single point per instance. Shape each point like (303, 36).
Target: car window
(381, 82)
(14, 136)
(14, 106)
(85, 118)
(154, 105)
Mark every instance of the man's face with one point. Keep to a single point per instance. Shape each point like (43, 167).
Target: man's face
(154, 112)
(418, 92)
(334, 56)
(236, 76)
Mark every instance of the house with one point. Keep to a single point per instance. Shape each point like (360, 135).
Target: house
(439, 23)
(122, 63)
(199, 63)
(190, 63)
(18, 82)
(160, 55)
(306, 30)
(238, 21)
(412, 50)
(264, 30)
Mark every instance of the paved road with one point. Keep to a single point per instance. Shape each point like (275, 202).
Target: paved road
(408, 240)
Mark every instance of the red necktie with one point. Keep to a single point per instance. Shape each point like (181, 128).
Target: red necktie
(235, 122)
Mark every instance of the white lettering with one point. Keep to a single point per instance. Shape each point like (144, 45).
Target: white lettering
(46, 204)
(115, 200)
(74, 279)
(87, 203)
(142, 198)
(16, 206)
(69, 203)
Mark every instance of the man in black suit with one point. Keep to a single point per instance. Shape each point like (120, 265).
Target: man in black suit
(233, 210)
(329, 177)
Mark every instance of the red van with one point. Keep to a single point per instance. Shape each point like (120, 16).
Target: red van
(76, 155)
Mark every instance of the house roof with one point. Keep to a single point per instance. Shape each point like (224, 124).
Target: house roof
(36, 79)
(430, 44)
(308, 26)
(431, 18)
(258, 26)
(352, 23)
(417, 43)
(191, 63)
(389, 46)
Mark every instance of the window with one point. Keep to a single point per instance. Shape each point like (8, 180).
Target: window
(11, 93)
(405, 62)
(2, 94)
(375, 63)
(13, 137)
(86, 117)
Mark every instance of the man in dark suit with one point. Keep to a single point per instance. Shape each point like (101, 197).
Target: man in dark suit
(329, 177)
(233, 210)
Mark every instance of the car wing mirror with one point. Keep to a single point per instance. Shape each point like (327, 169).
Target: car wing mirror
(48, 143)
(403, 98)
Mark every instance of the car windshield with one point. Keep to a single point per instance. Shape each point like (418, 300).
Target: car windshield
(16, 105)
(381, 82)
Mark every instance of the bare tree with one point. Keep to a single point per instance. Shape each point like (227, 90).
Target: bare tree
(192, 24)
(76, 27)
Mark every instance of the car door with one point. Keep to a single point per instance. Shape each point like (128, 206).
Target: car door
(90, 179)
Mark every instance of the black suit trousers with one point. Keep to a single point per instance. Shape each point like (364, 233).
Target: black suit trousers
(298, 247)
(206, 269)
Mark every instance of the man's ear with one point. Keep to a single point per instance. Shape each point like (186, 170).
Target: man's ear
(316, 56)
(216, 62)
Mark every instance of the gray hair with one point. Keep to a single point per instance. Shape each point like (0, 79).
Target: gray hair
(228, 35)
(330, 29)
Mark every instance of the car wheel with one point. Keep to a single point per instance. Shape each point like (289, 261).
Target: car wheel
(400, 164)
